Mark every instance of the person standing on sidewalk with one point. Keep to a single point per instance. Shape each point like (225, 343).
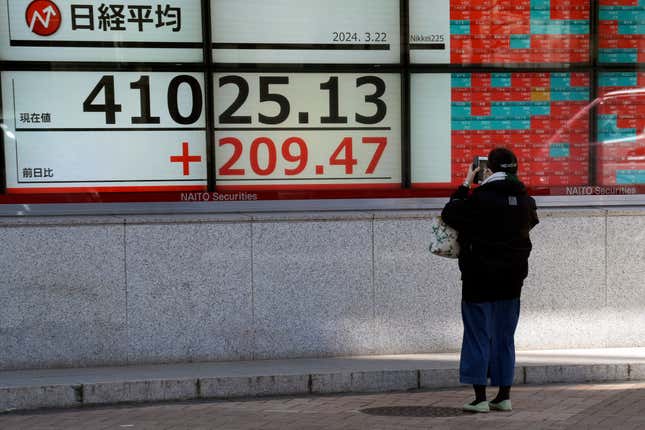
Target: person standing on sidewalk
(493, 224)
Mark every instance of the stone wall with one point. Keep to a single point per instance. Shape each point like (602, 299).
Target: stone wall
(87, 291)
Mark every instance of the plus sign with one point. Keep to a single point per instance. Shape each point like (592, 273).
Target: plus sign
(185, 158)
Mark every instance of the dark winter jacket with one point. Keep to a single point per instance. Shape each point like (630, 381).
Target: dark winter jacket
(493, 224)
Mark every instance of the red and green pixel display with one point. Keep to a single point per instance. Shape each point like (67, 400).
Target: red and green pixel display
(530, 113)
(519, 31)
(621, 29)
(621, 128)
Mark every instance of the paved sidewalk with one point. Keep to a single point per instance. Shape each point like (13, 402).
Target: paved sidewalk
(59, 388)
(554, 407)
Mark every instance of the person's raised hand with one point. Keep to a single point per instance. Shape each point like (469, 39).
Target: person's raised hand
(471, 174)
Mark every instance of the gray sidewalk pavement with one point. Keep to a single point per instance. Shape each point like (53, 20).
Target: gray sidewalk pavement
(64, 388)
(550, 407)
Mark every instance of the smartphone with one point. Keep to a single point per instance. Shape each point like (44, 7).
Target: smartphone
(482, 163)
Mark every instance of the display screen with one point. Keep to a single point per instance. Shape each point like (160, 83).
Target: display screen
(104, 131)
(455, 117)
(307, 130)
(306, 31)
(621, 31)
(499, 31)
(621, 128)
(142, 100)
(116, 31)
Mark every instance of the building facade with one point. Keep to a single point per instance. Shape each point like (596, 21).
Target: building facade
(224, 180)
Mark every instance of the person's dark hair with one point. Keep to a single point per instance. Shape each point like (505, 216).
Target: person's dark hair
(502, 160)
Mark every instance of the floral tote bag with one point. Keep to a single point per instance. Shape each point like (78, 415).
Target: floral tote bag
(443, 239)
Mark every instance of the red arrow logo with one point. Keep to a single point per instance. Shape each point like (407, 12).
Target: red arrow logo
(43, 17)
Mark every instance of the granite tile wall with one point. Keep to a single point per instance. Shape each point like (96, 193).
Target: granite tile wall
(313, 288)
(418, 294)
(563, 299)
(189, 292)
(62, 296)
(151, 289)
(626, 279)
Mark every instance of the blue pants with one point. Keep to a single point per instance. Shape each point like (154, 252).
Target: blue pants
(488, 349)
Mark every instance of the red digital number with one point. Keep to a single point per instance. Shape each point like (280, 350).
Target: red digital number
(263, 150)
(237, 153)
(271, 156)
(348, 160)
(300, 158)
(381, 142)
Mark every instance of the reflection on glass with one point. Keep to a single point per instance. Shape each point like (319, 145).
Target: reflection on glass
(621, 128)
(520, 111)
